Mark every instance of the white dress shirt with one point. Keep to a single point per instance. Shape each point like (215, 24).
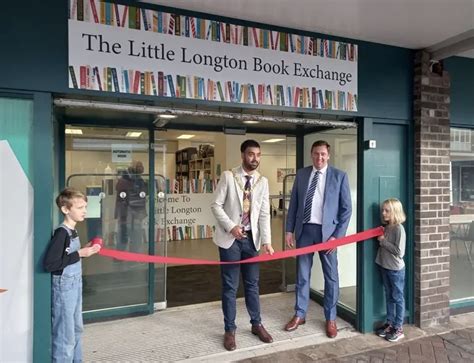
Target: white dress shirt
(318, 198)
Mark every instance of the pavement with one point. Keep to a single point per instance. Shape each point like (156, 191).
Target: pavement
(195, 334)
(450, 343)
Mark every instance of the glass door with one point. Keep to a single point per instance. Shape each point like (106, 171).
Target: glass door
(158, 230)
(112, 167)
(288, 264)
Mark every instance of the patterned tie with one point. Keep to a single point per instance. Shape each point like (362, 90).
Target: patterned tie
(246, 202)
(309, 197)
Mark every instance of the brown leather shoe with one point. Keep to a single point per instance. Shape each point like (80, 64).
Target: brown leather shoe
(331, 328)
(261, 332)
(229, 340)
(294, 323)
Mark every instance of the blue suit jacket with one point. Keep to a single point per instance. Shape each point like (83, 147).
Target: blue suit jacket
(337, 205)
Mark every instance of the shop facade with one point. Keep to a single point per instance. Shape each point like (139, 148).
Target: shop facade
(420, 121)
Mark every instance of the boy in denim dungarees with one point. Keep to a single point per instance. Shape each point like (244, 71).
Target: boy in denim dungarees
(63, 260)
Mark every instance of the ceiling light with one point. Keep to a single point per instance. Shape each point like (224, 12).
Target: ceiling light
(273, 140)
(133, 134)
(167, 115)
(251, 122)
(74, 131)
(184, 136)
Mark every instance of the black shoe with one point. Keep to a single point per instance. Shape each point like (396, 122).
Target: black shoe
(395, 335)
(384, 330)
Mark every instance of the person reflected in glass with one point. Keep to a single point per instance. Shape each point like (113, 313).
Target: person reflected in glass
(130, 208)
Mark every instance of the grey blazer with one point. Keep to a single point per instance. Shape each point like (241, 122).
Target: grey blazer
(227, 208)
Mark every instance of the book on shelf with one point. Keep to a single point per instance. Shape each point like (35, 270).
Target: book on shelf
(175, 186)
(160, 234)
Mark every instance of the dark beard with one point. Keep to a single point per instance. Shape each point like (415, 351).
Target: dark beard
(249, 166)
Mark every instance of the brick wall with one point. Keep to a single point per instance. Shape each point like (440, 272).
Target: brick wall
(432, 184)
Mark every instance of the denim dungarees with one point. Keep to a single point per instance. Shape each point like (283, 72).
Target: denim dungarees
(66, 300)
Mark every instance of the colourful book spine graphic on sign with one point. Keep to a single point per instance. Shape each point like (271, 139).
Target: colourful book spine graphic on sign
(156, 82)
(146, 24)
(73, 77)
(171, 85)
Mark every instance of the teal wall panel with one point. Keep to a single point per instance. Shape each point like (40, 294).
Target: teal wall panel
(43, 144)
(386, 174)
(38, 60)
(16, 127)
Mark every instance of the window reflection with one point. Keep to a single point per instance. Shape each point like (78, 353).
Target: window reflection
(462, 215)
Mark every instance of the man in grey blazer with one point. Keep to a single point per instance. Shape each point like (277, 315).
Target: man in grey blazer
(319, 211)
(242, 210)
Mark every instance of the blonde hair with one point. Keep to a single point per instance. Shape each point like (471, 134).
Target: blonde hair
(397, 215)
(65, 198)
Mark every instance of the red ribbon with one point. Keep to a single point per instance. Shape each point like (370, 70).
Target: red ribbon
(138, 257)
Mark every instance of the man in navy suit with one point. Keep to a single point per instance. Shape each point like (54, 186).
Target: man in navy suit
(319, 211)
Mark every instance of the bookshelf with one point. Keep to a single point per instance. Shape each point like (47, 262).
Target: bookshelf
(183, 157)
(202, 168)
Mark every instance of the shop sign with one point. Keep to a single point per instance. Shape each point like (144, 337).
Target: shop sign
(126, 49)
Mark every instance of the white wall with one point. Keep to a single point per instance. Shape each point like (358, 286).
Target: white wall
(16, 259)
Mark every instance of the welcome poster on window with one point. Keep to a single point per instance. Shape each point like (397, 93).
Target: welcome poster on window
(126, 49)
